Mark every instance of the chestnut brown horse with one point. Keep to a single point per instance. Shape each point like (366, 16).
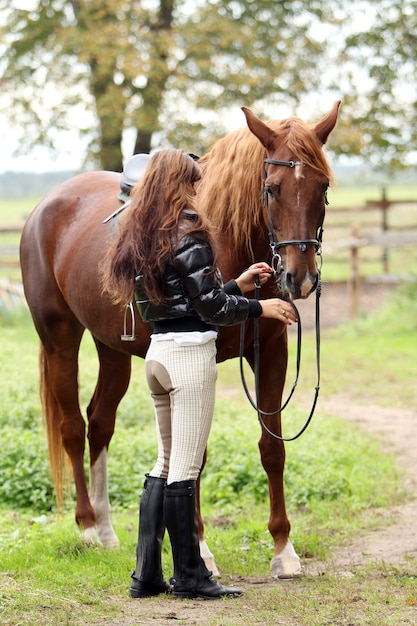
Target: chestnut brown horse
(62, 244)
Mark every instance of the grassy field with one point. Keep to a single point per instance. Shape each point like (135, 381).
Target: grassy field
(338, 227)
(356, 196)
(336, 480)
(348, 211)
(17, 209)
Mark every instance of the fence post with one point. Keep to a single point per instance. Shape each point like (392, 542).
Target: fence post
(384, 207)
(354, 277)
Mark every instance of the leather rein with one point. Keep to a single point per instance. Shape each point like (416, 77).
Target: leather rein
(278, 268)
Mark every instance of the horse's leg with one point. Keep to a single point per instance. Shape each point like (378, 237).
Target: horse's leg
(65, 424)
(205, 552)
(112, 383)
(285, 562)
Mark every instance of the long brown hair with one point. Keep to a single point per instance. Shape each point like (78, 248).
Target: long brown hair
(150, 227)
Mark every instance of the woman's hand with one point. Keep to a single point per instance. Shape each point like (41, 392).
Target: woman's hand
(246, 281)
(278, 309)
(274, 308)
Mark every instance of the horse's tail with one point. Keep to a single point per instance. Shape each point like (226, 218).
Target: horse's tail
(58, 459)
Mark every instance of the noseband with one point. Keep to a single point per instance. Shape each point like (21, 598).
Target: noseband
(278, 268)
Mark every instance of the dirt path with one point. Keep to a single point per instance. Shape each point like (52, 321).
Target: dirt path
(396, 542)
(396, 428)
(392, 544)
(336, 303)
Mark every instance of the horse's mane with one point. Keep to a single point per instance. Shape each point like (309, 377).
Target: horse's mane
(230, 192)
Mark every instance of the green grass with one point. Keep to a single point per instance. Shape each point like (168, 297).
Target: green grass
(337, 479)
(16, 210)
(52, 578)
(233, 467)
(373, 359)
(347, 196)
(338, 226)
(13, 214)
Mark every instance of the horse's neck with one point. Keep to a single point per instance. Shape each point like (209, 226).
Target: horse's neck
(234, 260)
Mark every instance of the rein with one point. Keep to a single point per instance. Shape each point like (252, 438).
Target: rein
(278, 268)
(256, 346)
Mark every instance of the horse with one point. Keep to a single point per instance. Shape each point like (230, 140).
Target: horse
(62, 244)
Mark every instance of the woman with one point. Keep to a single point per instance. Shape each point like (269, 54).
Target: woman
(167, 245)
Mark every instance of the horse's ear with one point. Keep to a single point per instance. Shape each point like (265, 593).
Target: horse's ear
(326, 125)
(263, 132)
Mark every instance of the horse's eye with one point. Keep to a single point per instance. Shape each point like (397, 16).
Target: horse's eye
(273, 190)
(325, 188)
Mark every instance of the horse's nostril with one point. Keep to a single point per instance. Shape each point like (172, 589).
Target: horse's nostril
(292, 286)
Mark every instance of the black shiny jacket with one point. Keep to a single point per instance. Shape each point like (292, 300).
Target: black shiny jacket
(196, 298)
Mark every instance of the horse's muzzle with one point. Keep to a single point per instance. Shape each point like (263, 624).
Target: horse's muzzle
(301, 289)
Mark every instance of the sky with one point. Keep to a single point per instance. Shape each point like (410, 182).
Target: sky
(70, 150)
(69, 155)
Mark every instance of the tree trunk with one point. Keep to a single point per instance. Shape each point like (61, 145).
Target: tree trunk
(152, 93)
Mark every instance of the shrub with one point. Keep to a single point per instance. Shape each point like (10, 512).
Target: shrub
(24, 470)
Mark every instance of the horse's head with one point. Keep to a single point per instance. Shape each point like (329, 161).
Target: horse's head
(297, 176)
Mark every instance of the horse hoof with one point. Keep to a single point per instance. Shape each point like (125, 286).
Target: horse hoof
(208, 558)
(285, 568)
(91, 537)
(111, 543)
(211, 565)
(286, 564)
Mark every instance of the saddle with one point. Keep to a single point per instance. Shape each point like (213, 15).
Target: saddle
(133, 171)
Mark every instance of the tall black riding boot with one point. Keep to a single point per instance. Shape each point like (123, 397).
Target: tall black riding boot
(147, 577)
(191, 577)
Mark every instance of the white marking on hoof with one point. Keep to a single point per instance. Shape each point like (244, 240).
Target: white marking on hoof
(286, 564)
(100, 502)
(90, 536)
(110, 542)
(94, 538)
(105, 530)
(208, 558)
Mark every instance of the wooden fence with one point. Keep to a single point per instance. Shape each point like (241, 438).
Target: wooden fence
(347, 229)
(374, 225)
(11, 294)
(385, 240)
(9, 253)
(11, 291)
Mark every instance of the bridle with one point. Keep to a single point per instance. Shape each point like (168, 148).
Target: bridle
(273, 243)
(278, 268)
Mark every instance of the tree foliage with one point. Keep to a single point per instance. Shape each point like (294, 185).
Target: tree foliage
(381, 99)
(169, 72)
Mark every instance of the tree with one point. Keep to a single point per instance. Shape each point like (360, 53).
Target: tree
(168, 72)
(382, 93)
(151, 66)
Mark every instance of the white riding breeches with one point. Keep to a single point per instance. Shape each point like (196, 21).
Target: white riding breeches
(182, 381)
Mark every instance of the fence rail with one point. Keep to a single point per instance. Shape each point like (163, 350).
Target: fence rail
(359, 232)
(385, 240)
(11, 294)
(353, 244)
